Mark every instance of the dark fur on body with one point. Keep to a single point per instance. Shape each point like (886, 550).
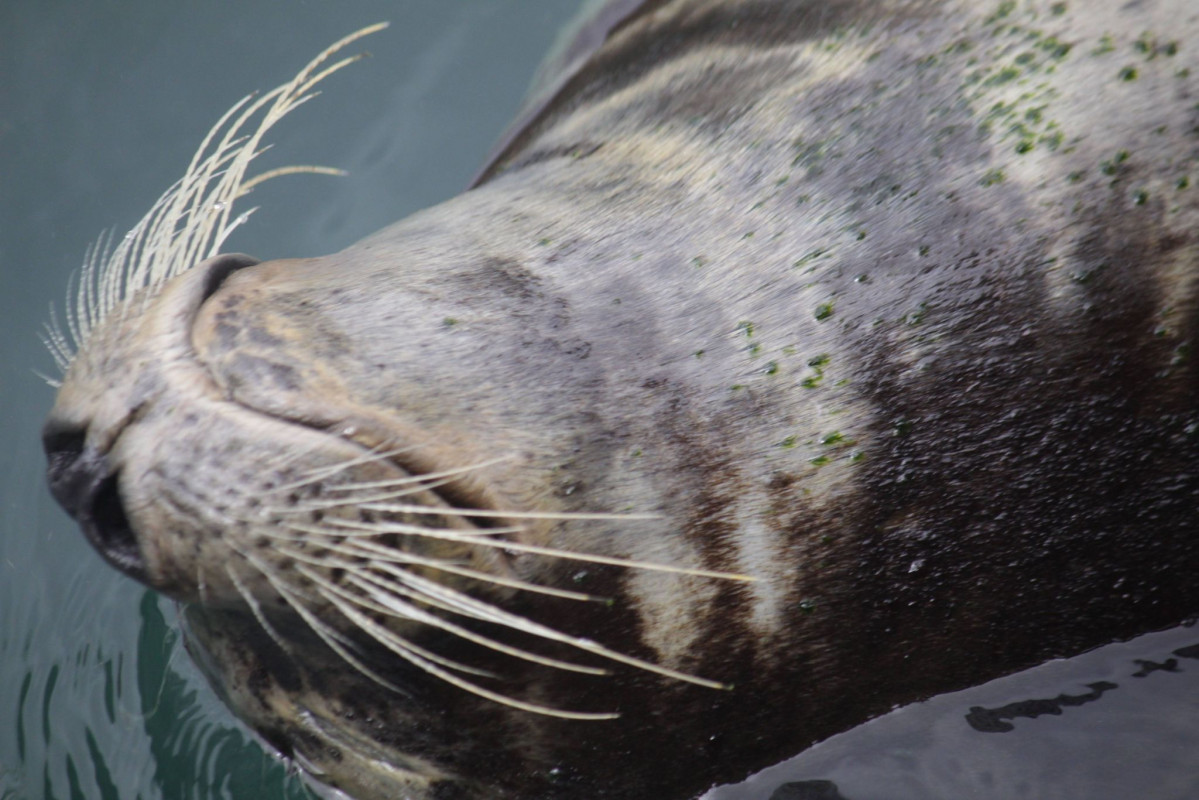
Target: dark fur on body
(889, 305)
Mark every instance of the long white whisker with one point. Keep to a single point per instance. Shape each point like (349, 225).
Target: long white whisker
(403, 508)
(256, 610)
(365, 548)
(485, 611)
(454, 680)
(192, 218)
(506, 544)
(387, 598)
(417, 479)
(328, 635)
(327, 587)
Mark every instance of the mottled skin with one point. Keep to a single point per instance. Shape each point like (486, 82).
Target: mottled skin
(890, 305)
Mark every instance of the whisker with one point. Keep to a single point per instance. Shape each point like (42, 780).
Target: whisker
(400, 508)
(390, 597)
(520, 547)
(386, 598)
(394, 606)
(191, 220)
(454, 680)
(378, 551)
(498, 615)
(326, 588)
(256, 610)
(320, 474)
(336, 642)
(408, 479)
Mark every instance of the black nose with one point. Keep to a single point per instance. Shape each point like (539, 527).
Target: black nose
(83, 482)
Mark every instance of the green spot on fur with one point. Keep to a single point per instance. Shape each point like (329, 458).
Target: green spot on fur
(772, 368)
(1055, 48)
(1106, 45)
(1110, 167)
(449, 322)
(902, 427)
(544, 242)
(1128, 74)
(1140, 197)
(746, 327)
(823, 311)
(855, 456)
(923, 250)
(1171, 49)
(817, 364)
(698, 261)
(1075, 176)
(1005, 75)
(699, 354)
(807, 153)
(810, 257)
(736, 387)
(818, 461)
(836, 437)
(1182, 183)
(1181, 354)
(1004, 10)
(861, 234)
(788, 442)
(917, 316)
(1024, 146)
(991, 177)
(755, 350)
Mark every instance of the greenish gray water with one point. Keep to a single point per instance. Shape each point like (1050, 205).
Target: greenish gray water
(101, 105)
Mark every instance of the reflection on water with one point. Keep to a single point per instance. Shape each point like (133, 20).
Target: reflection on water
(98, 115)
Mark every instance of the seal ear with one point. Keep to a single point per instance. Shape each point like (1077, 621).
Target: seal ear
(219, 268)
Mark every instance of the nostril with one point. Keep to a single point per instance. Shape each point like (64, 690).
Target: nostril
(221, 267)
(108, 529)
(82, 480)
(63, 446)
(70, 467)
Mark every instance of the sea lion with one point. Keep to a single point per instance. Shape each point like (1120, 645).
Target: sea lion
(792, 361)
